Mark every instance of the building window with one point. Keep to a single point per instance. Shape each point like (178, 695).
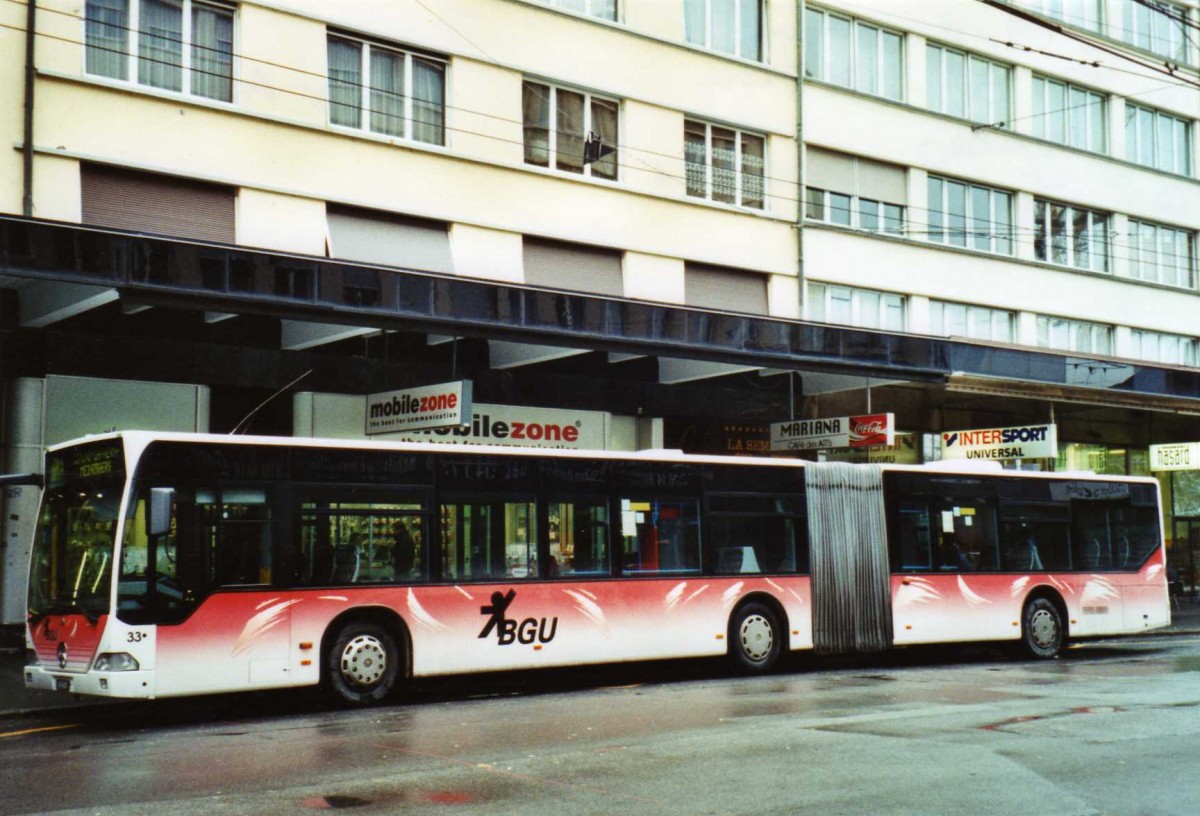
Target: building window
(853, 54)
(1157, 139)
(1074, 335)
(971, 216)
(1162, 254)
(967, 86)
(866, 308)
(976, 322)
(558, 140)
(384, 90)
(724, 164)
(853, 211)
(729, 26)
(1173, 349)
(1081, 13)
(1071, 236)
(1157, 26)
(1069, 115)
(176, 45)
(604, 9)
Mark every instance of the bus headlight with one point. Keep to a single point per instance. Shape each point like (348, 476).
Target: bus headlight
(115, 662)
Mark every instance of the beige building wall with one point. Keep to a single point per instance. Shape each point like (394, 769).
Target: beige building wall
(275, 144)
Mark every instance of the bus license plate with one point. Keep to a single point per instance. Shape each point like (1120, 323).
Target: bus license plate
(62, 683)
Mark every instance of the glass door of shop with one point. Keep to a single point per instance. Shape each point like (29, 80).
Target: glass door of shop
(1183, 558)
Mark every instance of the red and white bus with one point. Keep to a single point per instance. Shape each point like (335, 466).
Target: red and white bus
(175, 564)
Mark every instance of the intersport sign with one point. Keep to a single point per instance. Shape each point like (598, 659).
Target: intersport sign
(1020, 442)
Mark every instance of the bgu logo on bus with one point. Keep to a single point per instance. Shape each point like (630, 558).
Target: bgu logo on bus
(508, 631)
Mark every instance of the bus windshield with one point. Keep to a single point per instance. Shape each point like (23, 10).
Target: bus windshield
(71, 567)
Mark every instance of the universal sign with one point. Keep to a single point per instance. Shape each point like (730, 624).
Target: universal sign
(413, 409)
(837, 432)
(1175, 456)
(1024, 442)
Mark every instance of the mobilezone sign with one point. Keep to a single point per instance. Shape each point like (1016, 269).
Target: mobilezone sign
(1024, 442)
(429, 406)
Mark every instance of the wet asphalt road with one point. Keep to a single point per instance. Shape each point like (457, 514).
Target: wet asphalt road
(1110, 728)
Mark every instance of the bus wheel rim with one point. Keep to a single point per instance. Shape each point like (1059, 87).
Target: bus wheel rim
(1043, 628)
(757, 637)
(364, 661)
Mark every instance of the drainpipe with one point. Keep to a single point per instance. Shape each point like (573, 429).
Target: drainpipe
(800, 192)
(30, 72)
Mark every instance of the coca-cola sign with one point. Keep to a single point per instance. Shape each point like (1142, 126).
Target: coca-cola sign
(839, 432)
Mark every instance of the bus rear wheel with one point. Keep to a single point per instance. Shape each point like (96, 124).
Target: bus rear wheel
(755, 639)
(1042, 632)
(363, 663)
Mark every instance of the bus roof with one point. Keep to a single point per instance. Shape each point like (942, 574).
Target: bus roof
(138, 440)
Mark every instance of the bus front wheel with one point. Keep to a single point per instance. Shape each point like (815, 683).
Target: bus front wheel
(363, 663)
(755, 639)
(1042, 630)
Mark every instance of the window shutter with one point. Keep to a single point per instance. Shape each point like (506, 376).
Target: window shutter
(733, 290)
(161, 205)
(882, 182)
(828, 170)
(573, 267)
(854, 175)
(388, 240)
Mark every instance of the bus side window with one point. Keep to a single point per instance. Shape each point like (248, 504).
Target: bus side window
(748, 533)
(488, 540)
(578, 537)
(659, 535)
(914, 546)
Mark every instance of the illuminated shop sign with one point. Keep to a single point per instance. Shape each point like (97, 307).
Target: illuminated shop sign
(1176, 456)
(1024, 442)
(837, 432)
(431, 406)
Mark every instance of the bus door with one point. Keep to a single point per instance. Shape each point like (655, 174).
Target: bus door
(945, 560)
(224, 624)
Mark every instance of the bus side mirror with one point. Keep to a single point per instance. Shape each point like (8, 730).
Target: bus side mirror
(159, 521)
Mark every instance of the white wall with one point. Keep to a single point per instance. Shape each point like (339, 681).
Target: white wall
(39, 413)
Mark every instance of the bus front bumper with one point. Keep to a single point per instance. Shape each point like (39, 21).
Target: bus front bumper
(133, 684)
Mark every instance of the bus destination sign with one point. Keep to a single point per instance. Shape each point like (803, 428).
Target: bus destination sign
(837, 432)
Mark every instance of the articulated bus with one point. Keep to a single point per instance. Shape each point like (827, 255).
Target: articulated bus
(176, 564)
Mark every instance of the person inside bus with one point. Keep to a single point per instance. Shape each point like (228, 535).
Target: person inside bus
(404, 552)
(950, 557)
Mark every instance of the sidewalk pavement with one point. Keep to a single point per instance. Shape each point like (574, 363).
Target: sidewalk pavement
(16, 700)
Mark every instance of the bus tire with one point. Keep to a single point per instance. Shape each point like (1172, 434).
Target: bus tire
(363, 663)
(1042, 632)
(755, 638)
